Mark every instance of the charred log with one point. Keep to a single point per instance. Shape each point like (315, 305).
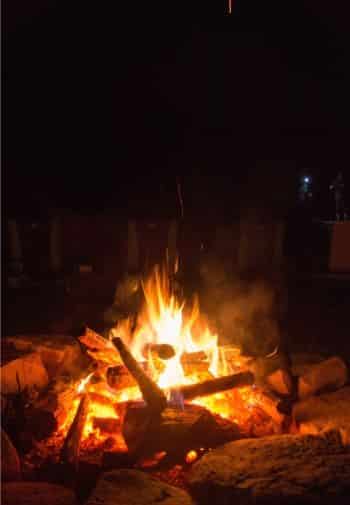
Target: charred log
(217, 385)
(195, 363)
(175, 431)
(119, 377)
(152, 394)
(162, 351)
(107, 424)
(71, 447)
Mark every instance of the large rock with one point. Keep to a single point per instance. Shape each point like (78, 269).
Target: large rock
(10, 462)
(36, 493)
(25, 372)
(321, 413)
(283, 469)
(303, 361)
(329, 375)
(60, 354)
(132, 487)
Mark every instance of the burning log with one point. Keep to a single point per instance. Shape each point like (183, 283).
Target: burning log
(217, 385)
(162, 351)
(98, 347)
(195, 363)
(175, 431)
(193, 357)
(152, 394)
(71, 447)
(119, 377)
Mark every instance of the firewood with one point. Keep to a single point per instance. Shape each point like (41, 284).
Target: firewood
(119, 377)
(329, 375)
(98, 347)
(217, 385)
(71, 447)
(195, 363)
(193, 357)
(162, 351)
(175, 431)
(152, 394)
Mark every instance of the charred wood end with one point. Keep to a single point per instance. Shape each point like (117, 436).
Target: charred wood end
(151, 393)
(71, 447)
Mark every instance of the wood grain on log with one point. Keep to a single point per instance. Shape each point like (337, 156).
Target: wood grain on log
(98, 347)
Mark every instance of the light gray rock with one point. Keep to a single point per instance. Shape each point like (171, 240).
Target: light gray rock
(36, 493)
(132, 487)
(321, 413)
(283, 469)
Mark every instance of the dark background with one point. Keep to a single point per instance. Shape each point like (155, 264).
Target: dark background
(104, 103)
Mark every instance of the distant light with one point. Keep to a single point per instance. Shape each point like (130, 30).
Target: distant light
(307, 179)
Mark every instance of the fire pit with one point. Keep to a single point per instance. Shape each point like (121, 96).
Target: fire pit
(165, 391)
(160, 395)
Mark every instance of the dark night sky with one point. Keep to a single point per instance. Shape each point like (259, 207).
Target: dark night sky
(95, 95)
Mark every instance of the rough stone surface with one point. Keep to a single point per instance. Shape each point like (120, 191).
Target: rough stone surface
(132, 487)
(321, 413)
(10, 462)
(329, 375)
(283, 469)
(60, 354)
(25, 372)
(36, 493)
(302, 362)
(280, 382)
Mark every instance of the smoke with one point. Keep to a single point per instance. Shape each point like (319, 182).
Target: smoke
(243, 312)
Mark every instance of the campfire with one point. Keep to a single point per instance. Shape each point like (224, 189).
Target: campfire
(163, 390)
(159, 401)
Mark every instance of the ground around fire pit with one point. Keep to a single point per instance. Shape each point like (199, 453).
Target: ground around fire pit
(283, 470)
(132, 487)
(36, 493)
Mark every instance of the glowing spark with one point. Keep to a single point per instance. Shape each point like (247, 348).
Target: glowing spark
(83, 383)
